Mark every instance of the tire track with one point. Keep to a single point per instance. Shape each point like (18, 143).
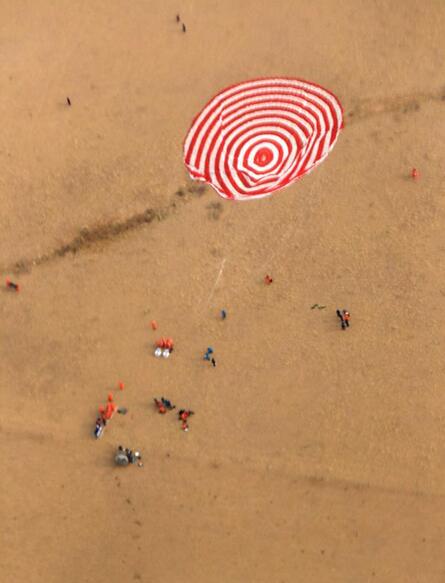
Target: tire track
(102, 233)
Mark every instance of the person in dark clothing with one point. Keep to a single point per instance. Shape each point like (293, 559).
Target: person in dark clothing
(12, 285)
(131, 456)
(168, 404)
(344, 316)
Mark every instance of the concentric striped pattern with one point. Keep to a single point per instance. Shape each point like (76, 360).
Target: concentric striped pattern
(259, 136)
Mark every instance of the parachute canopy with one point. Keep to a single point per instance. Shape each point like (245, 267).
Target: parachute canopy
(259, 136)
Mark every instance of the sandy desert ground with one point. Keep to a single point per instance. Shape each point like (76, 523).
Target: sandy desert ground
(314, 455)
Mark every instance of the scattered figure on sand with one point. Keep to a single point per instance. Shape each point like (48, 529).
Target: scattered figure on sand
(184, 28)
(11, 285)
(162, 409)
(414, 173)
(208, 353)
(268, 280)
(183, 415)
(68, 100)
(178, 19)
(344, 316)
(223, 314)
(213, 362)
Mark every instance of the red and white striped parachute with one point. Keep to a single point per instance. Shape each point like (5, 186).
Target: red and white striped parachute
(259, 136)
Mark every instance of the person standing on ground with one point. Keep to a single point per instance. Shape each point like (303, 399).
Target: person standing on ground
(344, 318)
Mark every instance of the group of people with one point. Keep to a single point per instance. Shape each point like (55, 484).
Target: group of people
(164, 347)
(163, 405)
(105, 414)
(125, 456)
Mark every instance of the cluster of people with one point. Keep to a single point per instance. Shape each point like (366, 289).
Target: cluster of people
(125, 456)
(105, 415)
(163, 405)
(164, 347)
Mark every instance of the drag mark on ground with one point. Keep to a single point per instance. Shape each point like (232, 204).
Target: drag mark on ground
(218, 277)
(397, 104)
(107, 232)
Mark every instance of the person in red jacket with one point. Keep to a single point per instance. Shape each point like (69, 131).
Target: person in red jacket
(183, 415)
(162, 409)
